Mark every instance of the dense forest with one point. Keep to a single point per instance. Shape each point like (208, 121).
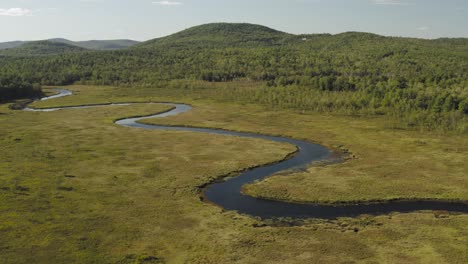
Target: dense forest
(422, 83)
(14, 87)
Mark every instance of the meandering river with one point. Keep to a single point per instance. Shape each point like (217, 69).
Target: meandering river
(227, 194)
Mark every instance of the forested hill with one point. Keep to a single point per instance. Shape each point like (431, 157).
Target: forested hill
(41, 48)
(227, 52)
(222, 35)
(11, 44)
(352, 72)
(89, 44)
(99, 44)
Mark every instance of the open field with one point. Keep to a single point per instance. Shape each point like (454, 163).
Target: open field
(74, 187)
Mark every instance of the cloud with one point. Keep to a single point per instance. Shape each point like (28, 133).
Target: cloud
(15, 12)
(167, 3)
(391, 2)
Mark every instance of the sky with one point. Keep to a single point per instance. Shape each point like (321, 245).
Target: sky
(148, 19)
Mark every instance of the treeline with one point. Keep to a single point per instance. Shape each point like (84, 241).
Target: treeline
(330, 70)
(15, 87)
(423, 82)
(404, 109)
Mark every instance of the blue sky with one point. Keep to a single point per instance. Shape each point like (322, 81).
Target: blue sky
(147, 19)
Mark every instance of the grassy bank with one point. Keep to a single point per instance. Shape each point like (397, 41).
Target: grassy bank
(76, 188)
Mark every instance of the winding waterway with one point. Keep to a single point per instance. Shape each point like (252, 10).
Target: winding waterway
(227, 194)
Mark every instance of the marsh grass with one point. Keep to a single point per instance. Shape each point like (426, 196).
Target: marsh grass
(114, 214)
(383, 163)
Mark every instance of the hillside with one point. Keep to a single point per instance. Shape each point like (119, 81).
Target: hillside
(41, 48)
(89, 44)
(243, 35)
(99, 44)
(220, 35)
(107, 44)
(423, 82)
(11, 44)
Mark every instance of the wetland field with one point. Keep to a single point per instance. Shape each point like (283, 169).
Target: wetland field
(77, 188)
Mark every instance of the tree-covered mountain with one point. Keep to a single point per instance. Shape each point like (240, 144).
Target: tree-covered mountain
(41, 48)
(89, 44)
(221, 34)
(350, 72)
(11, 44)
(99, 44)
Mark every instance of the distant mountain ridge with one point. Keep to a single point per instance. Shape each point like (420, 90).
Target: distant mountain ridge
(236, 35)
(89, 44)
(41, 48)
(251, 35)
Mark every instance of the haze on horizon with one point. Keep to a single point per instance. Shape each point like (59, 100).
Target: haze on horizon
(148, 19)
